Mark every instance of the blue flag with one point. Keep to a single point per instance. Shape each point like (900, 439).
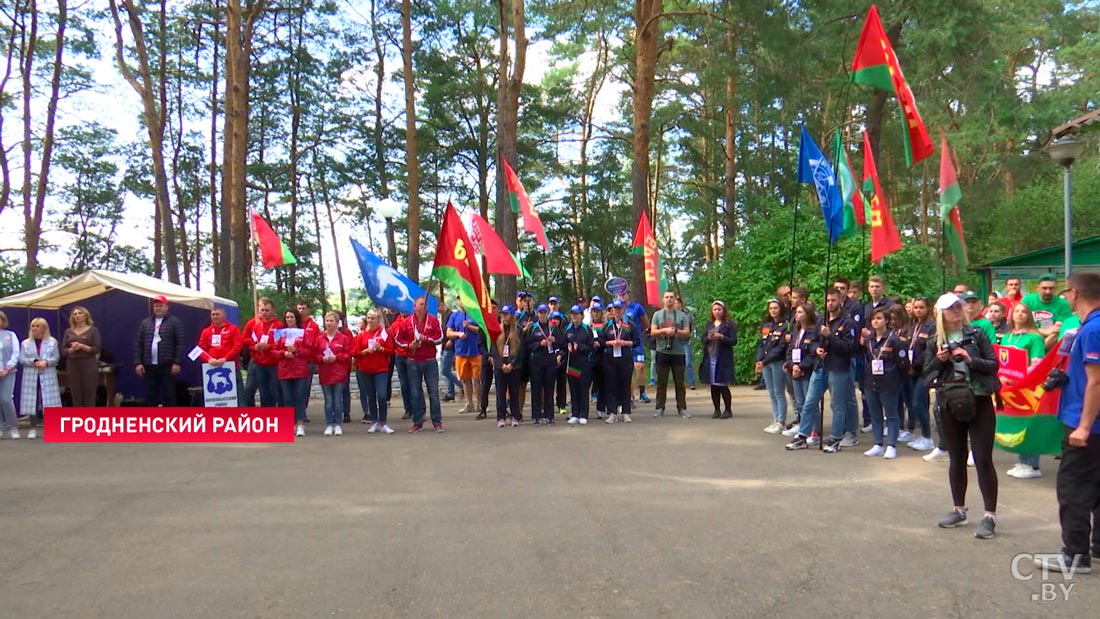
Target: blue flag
(814, 168)
(388, 288)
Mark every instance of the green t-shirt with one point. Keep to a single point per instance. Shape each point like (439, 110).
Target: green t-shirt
(1073, 322)
(670, 345)
(1046, 314)
(1031, 342)
(988, 327)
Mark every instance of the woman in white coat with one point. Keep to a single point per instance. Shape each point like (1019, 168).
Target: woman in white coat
(39, 355)
(9, 358)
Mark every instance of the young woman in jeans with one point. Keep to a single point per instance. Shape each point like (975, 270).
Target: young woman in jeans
(963, 354)
(294, 353)
(372, 350)
(771, 351)
(802, 358)
(333, 357)
(887, 362)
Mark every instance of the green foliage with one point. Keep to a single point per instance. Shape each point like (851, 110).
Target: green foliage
(13, 277)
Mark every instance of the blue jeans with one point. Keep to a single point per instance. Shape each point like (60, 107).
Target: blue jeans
(878, 402)
(851, 422)
(426, 373)
(296, 394)
(449, 371)
(372, 393)
(267, 383)
(334, 403)
(1032, 461)
(841, 391)
(801, 385)
(776, 382)
(401, 366)
(689, 370)
(918, 405)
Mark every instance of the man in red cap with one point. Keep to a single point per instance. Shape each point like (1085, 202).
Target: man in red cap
(221, 343)
(158, 353)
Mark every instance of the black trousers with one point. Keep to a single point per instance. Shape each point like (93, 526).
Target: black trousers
(160, 385)
(508, 386)
(676, 363)
(579, 387)
(560, 384)
(617, 374)
(543, 378)
(599, 387)
(980, 429)
(486, 382)
(1078, 494)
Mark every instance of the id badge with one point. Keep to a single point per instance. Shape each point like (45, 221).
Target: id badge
(372, 342)
(877, 367)
(796, 355)
(263, 339)
(617, 352)
(215, 340)
(507, 350)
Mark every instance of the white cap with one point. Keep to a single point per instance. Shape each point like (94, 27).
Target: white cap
(948, 300)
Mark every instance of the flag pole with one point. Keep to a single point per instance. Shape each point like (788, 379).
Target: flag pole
(252, 267)
(943, 260)
(794, 232)
(821, 408)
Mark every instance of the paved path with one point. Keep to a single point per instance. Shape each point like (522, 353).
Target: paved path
(659, 518)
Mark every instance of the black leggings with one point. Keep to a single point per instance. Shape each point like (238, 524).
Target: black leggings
(720, 394)
(980, 429)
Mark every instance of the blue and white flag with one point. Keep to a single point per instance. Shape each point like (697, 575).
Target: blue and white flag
(814, 168)
(387, 287)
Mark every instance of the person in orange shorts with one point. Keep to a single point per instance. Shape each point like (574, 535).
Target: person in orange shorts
(466, 333)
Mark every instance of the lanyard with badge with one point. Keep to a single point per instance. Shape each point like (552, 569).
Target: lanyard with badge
(796, 352)
(617, 351)
(878, 367)
(216, 339)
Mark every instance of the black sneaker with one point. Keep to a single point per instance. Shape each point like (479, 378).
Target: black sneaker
(796, 444)
(956, 518)
(832, 445)
(1065, 565)
(986, 527)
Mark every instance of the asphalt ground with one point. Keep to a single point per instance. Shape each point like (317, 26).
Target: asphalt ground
(658, 518)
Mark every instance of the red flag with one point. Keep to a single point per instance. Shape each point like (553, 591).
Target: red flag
(646, 245)
(876, 65)
(885, 239)
(456, 266)
(498, 259)
(522, 204)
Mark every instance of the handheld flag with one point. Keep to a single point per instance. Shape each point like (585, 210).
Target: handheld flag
(814, 168)
(522, 204)
(273, 252)
(876, 65)
(498, 259)
(1028, 422)
(387, 287)
(646, 245)
(885, 239)
(456, 266)
(950, 195)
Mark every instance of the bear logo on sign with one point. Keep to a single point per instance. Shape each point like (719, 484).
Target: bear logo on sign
(218, 381)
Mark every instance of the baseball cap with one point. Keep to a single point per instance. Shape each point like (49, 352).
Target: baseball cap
(597, 298)
(553, 300)
(970, 294)
(576, 309)
(947, 301)
(507, 309)
(522, 293)
(542, 308)
(617, 303)
(597, 306)
(160, 299)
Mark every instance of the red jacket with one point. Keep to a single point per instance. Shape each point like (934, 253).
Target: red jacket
(394, 326)
(431, 334)
(372, 362)
(229, 342)
(339, 370)
(256, 331)
(296, 366)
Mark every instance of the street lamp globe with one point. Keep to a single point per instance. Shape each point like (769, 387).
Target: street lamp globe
(1065, 150)
(388, 208)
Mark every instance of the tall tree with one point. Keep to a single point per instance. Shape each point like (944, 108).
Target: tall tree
(412, 164)
(513, 26)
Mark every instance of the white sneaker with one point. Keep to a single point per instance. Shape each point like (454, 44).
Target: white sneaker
(328, 430)
(937, 454)
(865, 429)
(301, 431)
(813, 441)
(1028, 472)
(583, 421)
(465, 407)
(905, 436)
(612, 418)
(921, 444)
(374, 428)
(14, 433)
(626, 418)
(683, 413)
(775, 428)
(970, 459)
(32, 433)
(599, 414)
(874, 452)
(338, 431)
(891, 453)
(791, 431)
(849, 440)
(573, 421)
(386, 429)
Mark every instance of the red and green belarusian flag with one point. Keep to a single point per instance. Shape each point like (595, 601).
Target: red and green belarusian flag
(885, 239)
(273, 252)
(521, 204)
(646, 245)
(876, 65)
(855, 207)
(950, 195)
(456, 266)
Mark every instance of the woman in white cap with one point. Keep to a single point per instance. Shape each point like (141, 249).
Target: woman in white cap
(962, 368)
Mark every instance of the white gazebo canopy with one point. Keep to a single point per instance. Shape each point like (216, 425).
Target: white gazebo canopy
(96, 282)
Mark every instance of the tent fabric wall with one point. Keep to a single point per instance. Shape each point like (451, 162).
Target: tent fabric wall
(117, 314)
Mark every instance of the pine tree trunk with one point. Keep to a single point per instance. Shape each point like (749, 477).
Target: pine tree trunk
(729, 219)
(32, 226)
(646, 19)
(509, 82)
(411, 162)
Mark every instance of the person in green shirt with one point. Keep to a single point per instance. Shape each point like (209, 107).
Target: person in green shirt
(974, 311)
(1023, 333)
(1050, 311)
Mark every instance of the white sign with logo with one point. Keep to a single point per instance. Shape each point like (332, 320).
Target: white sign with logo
(219, 385)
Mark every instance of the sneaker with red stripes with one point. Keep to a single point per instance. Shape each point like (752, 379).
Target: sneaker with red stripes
(438, 427)
(416, 427)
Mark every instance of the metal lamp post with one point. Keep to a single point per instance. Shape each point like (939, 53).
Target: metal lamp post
(389, 209)
(1065, 151)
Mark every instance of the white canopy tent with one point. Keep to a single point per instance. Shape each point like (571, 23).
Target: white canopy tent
(96, 282)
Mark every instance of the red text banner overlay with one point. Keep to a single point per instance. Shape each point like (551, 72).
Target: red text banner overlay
(169, 425)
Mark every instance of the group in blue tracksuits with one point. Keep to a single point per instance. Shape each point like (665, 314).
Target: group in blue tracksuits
(580, 346)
